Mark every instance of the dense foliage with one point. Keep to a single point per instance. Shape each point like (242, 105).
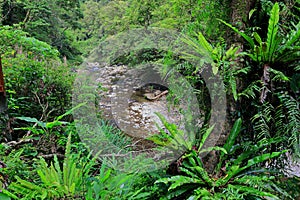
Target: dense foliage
(253, 46)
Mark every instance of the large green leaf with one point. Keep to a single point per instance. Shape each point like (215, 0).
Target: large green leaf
(200, 193)
(181, 180)
(204, 43)
(32, 120)
(209, 149)
(70, 111)
(272, 41)
(50, 125)
(246, 37)
(177, 181)
(253, 191)
(257, 38)
(233, 135)
(231, 173)
(261, 158)
(205, 136)
(4, 196)
(58, 169)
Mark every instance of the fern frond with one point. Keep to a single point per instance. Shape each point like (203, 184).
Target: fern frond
(293, 38)
(280, 121)
(278, 75)
(246, 37)
(251, 91)
(204, 43)
(262, 121)
(272, 41)
(253, 191)
(200, 193)
(292, 125)
(205, 136)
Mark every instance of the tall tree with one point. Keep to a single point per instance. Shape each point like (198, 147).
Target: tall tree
(45, 20)
(141, 12)
(2, 90)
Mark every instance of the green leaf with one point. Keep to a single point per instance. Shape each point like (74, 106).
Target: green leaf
(233, 135)
(235, 169)
(50, 125)
(233, 88)
(253, 191)
(58, 169)
(32, 120)
(182, 180)
(205, 136)
(215, 68)
(204, 43)
(252, 151)
(213, 149)
(251, 13)
(70, 111)
(4, 196)
(189, 172)
(178, 181)
(229, 142)
(246, 37)
(201, 192)
(257, 38)
(262, 158)
(204, 174)
(272, 42)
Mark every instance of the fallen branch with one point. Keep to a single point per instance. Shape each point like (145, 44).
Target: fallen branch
(15, 143)
(52, 155)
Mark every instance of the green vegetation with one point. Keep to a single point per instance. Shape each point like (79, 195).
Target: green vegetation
(252, 46)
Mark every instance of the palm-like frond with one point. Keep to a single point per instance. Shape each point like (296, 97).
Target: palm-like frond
(57, 182)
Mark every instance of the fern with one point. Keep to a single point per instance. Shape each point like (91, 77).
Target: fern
(233, 182)
(246, 37)
(175, 139)
(281, 122)
(278, 75)
(292, 125)
(252, 90)
(262, 121)
(57, 182)
(272, 40)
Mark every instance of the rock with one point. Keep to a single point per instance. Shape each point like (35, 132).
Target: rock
(149, 96)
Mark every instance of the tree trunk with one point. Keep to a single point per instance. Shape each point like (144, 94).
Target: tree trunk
(2, 89)
(1, 11)
(65, 60)
(239, 14)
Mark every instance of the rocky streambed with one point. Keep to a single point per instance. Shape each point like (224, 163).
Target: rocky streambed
(130, 99)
